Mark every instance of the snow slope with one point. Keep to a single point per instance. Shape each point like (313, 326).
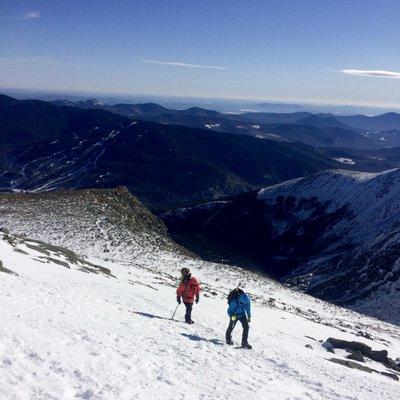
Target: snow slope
(373, 199)
(75, 332)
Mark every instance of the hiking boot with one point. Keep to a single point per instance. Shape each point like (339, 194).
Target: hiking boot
(190, 322)
(247, 346)
(230, 342)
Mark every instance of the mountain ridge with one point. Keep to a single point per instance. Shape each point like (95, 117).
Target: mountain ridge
(335, 235)
(259, 123)
(105, 222)
(165, 165)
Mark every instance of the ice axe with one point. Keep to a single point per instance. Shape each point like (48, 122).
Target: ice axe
(173, 315)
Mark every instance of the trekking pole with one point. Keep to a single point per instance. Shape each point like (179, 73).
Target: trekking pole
(173, 315)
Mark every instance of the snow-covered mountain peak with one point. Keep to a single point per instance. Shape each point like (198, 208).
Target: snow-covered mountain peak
(325, 184)
(371, 200)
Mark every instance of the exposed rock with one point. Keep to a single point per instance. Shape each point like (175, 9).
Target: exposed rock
(379, 356)
(390, 375)
(351, 346)
(393, 365)
(38, 248)
(20, 251)
(352, 364)
(58, 262)
(358, 347)
(47, 253)
(328, 346)
(6, 270)
(310, 337)
(356, 356)
(366, 335)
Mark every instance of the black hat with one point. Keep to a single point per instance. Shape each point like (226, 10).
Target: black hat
(185, 271)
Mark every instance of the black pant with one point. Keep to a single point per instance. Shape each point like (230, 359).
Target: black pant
(188, 315)
(232, 324)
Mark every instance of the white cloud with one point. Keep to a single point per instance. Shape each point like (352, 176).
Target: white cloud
(372, 73)
(181, 64)
(31, 15)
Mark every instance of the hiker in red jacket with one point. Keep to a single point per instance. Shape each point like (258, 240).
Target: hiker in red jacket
(189, 289)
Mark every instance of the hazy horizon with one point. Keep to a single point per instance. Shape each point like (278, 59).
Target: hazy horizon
(329, 52)
(220, 104)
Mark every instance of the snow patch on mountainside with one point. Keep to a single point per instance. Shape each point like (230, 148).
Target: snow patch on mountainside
(343, 160)
(211, 126)
(62, 166)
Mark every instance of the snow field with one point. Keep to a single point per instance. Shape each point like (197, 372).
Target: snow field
(67, 334)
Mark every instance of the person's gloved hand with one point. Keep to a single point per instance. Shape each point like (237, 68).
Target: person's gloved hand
(197, 299)
(248, 319)
(178, 299)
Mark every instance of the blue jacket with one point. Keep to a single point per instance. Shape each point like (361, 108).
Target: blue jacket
(240, 306)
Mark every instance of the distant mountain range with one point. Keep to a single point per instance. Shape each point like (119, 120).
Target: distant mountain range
(384, 122)
(321, 130)
(23, 122)
(47, 147)
(334, 109)
(335, 235)
(221, 105)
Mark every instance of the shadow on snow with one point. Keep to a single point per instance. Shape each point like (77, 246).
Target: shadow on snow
(148, 315)
(201, 339)
(195, 338)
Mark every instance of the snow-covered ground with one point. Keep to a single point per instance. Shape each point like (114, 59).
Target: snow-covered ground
(79, 332)
(372, 198)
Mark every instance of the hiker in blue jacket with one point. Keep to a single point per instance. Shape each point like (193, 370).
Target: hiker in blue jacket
(239, 310)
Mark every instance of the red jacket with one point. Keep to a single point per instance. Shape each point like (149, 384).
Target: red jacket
(188, 290)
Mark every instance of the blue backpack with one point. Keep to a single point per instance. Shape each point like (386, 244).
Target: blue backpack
(239, 303)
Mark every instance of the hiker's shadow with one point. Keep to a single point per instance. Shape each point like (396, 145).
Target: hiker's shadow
(201, 339)
(148, 315)
(195, 338)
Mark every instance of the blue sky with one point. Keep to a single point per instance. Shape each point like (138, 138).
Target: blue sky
(275, 50)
